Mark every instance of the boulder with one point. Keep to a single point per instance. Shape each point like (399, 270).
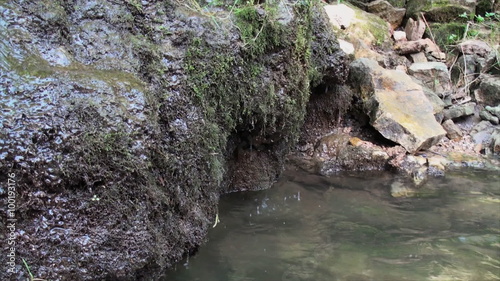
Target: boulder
(386, 11)
(414, 29)
(489, 90)
(397, 106)
(434, 75)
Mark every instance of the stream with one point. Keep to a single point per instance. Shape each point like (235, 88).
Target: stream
(349, 227)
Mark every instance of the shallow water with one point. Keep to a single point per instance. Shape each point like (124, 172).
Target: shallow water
(311, 227)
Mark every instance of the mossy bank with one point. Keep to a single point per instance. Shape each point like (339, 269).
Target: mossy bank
(124, 122)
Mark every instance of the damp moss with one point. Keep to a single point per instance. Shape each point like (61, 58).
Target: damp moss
(258, 91)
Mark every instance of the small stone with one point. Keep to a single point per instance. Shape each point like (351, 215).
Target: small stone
(399, 36)
(347, 47)
(354, 141)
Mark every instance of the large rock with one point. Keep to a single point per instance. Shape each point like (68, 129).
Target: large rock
(386, 11)
(489, 90)
(397, 106)
(434, 75)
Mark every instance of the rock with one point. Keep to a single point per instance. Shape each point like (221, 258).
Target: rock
(437, 104)
(459, 111)
(465, 70)
(453, 132)
(340, 16)
(495, 141)
(489, 90)
(347, 47)
(474, 47)
(399, 189)
(339, 152)
(433, 75)
(386, 11)
(493, 110)
(399, 36)
(397, 106)
(411, 47)
(414, 29)
(418, 57)
(446, 13)
(481, 133)
(486, 115)
(437, 165)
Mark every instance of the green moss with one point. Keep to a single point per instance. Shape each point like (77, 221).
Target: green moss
(243, 91)
(443, 31)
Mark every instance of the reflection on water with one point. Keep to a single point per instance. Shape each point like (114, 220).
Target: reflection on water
(310, 227)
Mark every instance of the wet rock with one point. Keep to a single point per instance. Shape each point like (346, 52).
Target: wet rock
(489, 90)
(433, 75)
(340, 152)
(400, 190)
(459, 111)
(437, 165)
(453, 132)
(486, 115)
(396, 105)
(386, 11)
(414, 29)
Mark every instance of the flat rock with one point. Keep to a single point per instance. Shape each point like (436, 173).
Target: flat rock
(397, 106)
(433, 75)
(340, 16)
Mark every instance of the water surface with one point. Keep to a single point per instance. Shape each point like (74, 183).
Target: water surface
(349, 227)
